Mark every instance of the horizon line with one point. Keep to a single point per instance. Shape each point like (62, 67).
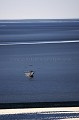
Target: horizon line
(38, 20)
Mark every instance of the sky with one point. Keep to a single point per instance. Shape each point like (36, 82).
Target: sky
(39, 9)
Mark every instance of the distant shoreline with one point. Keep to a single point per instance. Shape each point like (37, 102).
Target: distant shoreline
(37, 20)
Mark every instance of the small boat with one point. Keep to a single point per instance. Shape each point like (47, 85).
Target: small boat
(29, 74)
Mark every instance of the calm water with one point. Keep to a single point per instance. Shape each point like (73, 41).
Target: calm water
(56, 65)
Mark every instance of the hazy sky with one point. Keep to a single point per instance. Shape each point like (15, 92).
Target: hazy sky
(39, 9)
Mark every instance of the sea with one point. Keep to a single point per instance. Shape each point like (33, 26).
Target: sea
(49, 48)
